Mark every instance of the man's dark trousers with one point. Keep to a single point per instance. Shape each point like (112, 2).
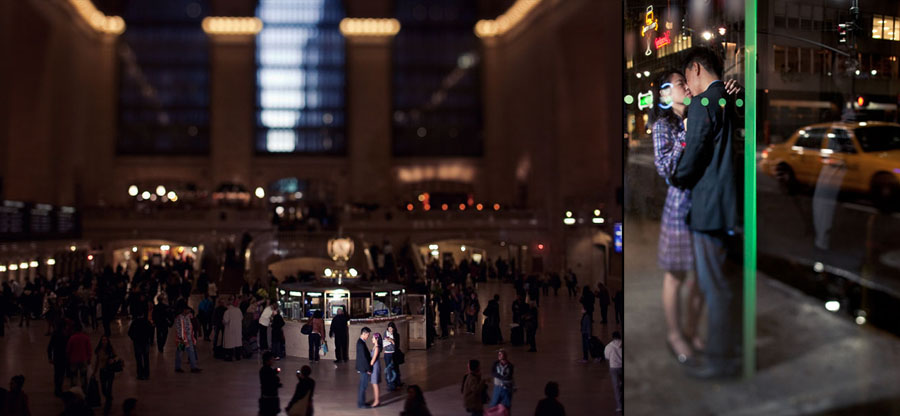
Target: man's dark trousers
(342, 347)
(720, 286)
(59, 374)
(142, 359)
(363, 386)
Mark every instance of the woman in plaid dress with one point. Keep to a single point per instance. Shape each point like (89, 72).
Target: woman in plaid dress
(676, 255)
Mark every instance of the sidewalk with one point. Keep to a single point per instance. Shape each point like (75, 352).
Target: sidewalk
(810, 361)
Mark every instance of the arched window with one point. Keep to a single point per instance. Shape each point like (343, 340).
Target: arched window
(437, 96)
(164, 78)
(300, 77)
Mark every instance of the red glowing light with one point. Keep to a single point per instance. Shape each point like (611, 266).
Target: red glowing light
(444, 207)
(663, 41)
(479, 207)
(90, 257)
(409, 207)
(496, 207)
(540, 246)
(860, 101)
(426, 207)
(462, 207)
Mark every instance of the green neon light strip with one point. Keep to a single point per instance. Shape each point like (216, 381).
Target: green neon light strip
(750, 190)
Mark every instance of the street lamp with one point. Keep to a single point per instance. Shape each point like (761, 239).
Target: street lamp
(707, 35)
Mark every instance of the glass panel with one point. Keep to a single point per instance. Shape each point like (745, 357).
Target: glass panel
(877, 22)
(312, 302)
(360, 306)
(889, 28)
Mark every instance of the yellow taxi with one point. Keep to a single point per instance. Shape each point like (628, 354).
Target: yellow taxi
(864, 154)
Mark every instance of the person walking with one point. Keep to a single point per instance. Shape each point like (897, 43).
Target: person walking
(587, 300)
(16, 401)
(316, 335)
(707, 168)
(56, 352)
(377, 347)
(340, 331)
(613, 354)
(141, 334)
(504, 385)
(205, 313)
(163, 319)
(490, 330)
(301, 403)
(363, 366)
(602, 296)
(415, 403)
(474, 389)
(472, 309)
(278, 334)
(105, 356)
(549, 405)
(619, 301)
(265, 319)
(233, 323)
(391, 367)
(530, 323)
(571, 283)
(586, 333)
(187, 340)
(219, 329)
(78, 355)
(269, 403)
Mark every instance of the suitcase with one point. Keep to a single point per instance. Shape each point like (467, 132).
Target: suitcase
(517, 335)
(250, 347)
(489, 335)
(596, 348)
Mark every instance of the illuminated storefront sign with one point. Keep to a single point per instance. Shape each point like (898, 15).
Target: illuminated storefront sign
(663, 41)
(617, 238)
(650, 23)
(645, 100)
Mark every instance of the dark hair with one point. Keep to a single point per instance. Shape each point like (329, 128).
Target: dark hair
(706, 57)
(267, 356)
(418, 396)
(19, 380)
(616, 335)
(657, 112)
(474, 365)
(365, 330)
(109, 348)
(306, 371)
(317, 315)
(392, 325)
(496, 297)
(551, 389)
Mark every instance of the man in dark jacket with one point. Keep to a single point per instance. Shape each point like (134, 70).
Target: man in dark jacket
(340, 331)
(363, 366)
(141, 333)
(603, 299)
(707, 168)
(586, 332)
(56, 352)
(163, 319)
(269, 403)
(490, 331)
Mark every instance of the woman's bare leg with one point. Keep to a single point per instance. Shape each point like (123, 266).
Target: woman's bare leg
(695, 303)
(672, 306)
(377, 400)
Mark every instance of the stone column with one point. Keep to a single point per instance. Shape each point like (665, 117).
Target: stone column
(232, 108)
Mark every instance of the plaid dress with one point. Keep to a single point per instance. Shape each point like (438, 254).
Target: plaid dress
(676, 252)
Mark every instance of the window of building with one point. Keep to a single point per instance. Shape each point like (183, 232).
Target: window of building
(885, 27)
(300, 77)
(780, 14)
(164, 79)
(436, 86)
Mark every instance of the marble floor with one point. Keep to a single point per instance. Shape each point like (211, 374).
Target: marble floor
(232, 388)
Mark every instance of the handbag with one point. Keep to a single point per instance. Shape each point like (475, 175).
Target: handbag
(324, 347)
(399, 357)
(306, 329)
(116, 367)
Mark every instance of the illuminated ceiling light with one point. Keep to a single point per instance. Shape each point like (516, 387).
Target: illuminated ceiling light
(72, 248)
(479, 207)
(857, 72)
(134, 249)
(638, 74)
(421, 197)
(194, 249)
(647, 74)
(568, 214)
(435, 253)
(409, 207)
(707, 35)
(110, 25)
(833, 306)
(568, 221)
(722, 30)
(860, 320)
(598, 220)
(369, 27)
(462, 248)
(496, 207)
(353, 272)
(444, 207)
(160, 190)
(818, 267)
(433, 247)
(507, 21)
(279, 210)
(328, 272)
(133, 190)
(462, 207)
(874, 72)
(260, 192)
(2, 268)
(33, 263)
(51, 262)
(164, 247)
(596, 212)
(145, 194)
(90, 257)
(233, 26)
(13, 267)
(171, 195)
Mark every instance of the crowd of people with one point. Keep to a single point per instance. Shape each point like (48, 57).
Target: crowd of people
(154, 302)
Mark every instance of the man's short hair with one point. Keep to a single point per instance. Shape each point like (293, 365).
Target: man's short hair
(365, 330)
(268, 356)
(616, 335)
(474, 365)
(551, 389)
(706, 57)
(306, 371)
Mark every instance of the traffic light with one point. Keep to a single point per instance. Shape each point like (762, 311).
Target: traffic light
(861, 101)
(842, 33)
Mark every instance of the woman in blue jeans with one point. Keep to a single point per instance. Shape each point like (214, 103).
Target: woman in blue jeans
(504, 385)
(391, 369)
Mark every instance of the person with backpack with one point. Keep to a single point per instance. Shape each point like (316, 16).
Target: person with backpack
(474, 389)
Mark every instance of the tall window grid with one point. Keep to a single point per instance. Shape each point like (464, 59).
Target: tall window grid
(300, 77)
(164, 82)
(437, 96)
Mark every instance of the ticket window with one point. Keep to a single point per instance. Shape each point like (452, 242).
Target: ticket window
(292, 305)
(397, 303)
(336, 301)
(360, 306)
(382, 304)
(313, 301)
